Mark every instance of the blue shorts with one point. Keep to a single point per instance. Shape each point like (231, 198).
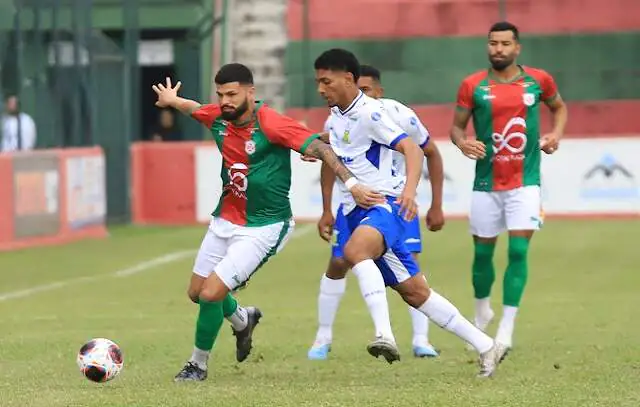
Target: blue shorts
(396, 264)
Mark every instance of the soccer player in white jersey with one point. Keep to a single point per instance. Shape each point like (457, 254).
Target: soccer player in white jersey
(333, 283)
(363, 136)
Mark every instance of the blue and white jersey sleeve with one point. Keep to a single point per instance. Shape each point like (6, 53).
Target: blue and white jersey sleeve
(408, 120)
(381, 128)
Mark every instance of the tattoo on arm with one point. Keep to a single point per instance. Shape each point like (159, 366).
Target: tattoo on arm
(323, 151)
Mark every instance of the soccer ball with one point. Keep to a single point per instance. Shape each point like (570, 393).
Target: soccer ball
(100, 360)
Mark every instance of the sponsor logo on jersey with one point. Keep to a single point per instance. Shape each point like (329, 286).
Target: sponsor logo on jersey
(511, 142)
(375, 116)
(238, 181)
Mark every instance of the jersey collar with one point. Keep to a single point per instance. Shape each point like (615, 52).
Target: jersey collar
(352, 105)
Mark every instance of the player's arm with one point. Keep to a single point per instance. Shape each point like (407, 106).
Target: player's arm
(168, 97)
(551, 97)
(289, 133)
(473, 149)
(327, 180)
(385, 131)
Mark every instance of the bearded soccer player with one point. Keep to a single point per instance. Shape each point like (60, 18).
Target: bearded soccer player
(253, 220)
(333, 283)
(364, 136)
(505, 102)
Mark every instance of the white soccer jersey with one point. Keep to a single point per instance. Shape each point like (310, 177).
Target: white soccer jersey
(364, 137)
(406, 119)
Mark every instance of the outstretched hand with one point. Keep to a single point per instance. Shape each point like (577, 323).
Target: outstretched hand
(167, 93)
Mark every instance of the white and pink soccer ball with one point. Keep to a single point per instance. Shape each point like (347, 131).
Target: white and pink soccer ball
(100, 360)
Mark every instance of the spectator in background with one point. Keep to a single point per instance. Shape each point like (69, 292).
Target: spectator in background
(16, 124)
(166, 130)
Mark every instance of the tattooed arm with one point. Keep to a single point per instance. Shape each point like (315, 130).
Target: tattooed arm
(363, 196)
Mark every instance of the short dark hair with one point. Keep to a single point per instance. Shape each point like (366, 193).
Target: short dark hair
(371, 72)
(234, 72)
(340, 60)
(505, 26)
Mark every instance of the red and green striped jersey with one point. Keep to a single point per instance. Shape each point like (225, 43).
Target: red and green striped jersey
(256, 164)
(506, 117)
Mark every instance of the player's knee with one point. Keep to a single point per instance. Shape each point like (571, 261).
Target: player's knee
(194, 295)
(337, 269)
(414, 291)
(517, 251)
(212, 294)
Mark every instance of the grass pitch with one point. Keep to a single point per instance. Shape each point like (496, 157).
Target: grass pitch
(577, 339)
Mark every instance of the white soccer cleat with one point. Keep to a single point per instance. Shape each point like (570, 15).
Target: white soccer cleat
(489, 361)
(386, 347)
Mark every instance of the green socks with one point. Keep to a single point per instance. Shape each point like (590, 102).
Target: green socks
(210, 320)
(483, 272)
(515, 277)
(229, 305)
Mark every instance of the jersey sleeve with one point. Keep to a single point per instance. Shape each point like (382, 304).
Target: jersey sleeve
(382, 129)
(285, 131)
(413, 126)
(549, 87)
(464, 99)
(207, 114)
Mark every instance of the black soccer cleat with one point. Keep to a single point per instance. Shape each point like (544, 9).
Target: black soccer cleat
(244, 337)
(191, 373)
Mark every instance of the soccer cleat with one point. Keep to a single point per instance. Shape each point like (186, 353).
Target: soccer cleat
(385, 347)
(426, 351)
(489, 361)
(502, 350)
(319, 351)
(244, 337)
(191, 373)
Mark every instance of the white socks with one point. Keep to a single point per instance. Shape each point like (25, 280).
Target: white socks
(200, 358)
(447, 316)
(375, 295)
(420, 324)
(484, 313)
(238, 319)
(331, 292)
(505, 329)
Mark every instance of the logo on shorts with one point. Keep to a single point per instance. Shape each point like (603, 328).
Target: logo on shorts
(250, 146)
(512, 140)
(528, 99)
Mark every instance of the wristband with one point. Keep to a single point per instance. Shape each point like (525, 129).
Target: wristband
(351, 182)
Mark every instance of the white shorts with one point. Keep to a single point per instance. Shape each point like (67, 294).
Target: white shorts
(235, 252)
(494, 212)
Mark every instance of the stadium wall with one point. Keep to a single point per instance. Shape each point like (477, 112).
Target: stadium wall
(425, 48)
(179, 183)
(51, 197)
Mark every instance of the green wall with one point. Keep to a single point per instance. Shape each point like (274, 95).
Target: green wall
(429, 70)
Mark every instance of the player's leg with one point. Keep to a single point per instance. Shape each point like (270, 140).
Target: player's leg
(211, 252)
(402, 273)
(420, 323)
(523, 217)
(486, 219)
(332, 288)
(373, 229)
(249, 249)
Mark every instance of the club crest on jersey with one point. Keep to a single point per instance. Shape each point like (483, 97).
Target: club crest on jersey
(250, 146)
(528, 99)
(345, 137)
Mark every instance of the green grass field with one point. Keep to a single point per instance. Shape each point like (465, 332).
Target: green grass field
(578, 314)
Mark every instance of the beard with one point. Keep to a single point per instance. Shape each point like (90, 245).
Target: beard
(501, 64)
(235, 114)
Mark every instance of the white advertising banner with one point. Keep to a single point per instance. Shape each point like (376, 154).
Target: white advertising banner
(86, 191)
(584, 177)
(208, 183)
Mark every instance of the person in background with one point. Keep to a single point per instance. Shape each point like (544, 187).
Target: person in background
(18, 128)
(166, 130)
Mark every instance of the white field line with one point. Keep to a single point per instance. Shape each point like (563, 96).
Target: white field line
(126, 272)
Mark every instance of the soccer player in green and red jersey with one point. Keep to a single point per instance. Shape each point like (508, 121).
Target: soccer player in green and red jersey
(253, 219)
(505, 102)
